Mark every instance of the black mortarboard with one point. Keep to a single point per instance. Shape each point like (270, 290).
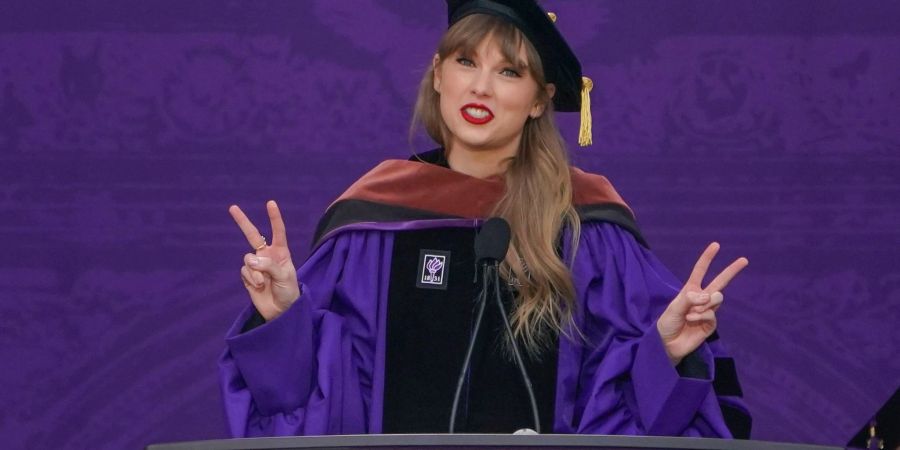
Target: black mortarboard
(561, 66)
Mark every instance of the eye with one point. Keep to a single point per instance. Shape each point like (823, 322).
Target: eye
(510, 73)
(465, 61)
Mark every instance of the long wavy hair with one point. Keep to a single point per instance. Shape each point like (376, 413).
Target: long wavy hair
(537, 202)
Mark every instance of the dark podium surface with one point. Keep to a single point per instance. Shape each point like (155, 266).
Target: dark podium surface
(472, 441)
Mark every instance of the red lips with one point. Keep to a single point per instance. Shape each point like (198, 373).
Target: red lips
(480, 116)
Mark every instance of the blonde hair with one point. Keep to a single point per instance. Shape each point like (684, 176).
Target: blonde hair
(538, 198)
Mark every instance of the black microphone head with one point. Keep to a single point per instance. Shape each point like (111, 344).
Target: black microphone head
(492, 241)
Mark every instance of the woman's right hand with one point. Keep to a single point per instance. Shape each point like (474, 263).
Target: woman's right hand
(269, 273)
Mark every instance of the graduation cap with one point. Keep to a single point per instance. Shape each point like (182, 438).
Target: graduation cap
(561, 66)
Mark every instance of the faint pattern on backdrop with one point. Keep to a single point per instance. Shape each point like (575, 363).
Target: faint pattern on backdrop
(126, 131)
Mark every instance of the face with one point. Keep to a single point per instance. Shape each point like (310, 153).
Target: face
(485, 99)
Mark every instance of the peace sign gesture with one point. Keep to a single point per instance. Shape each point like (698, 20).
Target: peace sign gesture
(691, 317)
(269, 273)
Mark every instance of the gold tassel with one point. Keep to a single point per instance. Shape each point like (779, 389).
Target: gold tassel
(552, 16)
(584, 132)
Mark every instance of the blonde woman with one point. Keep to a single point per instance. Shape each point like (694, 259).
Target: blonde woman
(369, 335)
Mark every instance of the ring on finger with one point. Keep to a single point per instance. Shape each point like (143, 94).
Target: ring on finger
(262, 245)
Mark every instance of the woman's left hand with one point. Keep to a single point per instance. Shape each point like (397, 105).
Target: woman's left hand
(691, 317)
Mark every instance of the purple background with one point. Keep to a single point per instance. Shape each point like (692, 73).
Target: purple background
(127, 128)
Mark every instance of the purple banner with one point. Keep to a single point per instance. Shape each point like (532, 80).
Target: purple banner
(127, 128)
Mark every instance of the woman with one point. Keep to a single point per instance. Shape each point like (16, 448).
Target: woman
(374, 338)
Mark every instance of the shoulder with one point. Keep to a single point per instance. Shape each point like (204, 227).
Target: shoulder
(596, 200)
(591, 188)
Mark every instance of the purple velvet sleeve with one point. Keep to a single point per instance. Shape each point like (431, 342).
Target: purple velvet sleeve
(315, 369)
(618, 379)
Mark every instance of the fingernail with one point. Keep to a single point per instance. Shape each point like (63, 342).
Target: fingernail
(254, 261)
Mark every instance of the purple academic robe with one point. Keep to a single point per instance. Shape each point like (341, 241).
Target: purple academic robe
(319, 368)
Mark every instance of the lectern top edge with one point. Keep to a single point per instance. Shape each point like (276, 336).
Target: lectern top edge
(473, 441)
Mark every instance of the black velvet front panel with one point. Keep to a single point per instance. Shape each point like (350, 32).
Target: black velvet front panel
(427, 334)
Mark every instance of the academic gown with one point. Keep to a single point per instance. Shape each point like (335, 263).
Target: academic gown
(347, 357)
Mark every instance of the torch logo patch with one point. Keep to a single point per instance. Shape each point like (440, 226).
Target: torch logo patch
(433, 269)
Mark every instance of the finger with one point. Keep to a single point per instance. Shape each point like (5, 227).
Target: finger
(707, 316)
(247, 277)
(687, 300)
(722, 279)
(702, 264)
(254, 238)
(259, 263)
(715, 300)
(279, 236)
(698, 298)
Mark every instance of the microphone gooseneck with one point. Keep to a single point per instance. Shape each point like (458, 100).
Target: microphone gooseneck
(482, 301)
(518, 356)
(491, 245)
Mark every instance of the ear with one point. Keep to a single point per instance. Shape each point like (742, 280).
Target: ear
(435, 69)
(539, 106)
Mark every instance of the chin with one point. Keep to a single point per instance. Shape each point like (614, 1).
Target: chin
(476, 144)
(475, 139)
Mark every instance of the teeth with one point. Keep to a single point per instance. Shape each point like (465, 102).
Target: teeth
(477, 113)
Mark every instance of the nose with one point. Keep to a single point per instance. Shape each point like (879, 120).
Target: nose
(482, 84)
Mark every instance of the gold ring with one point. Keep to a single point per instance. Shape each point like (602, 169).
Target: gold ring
(263, 245)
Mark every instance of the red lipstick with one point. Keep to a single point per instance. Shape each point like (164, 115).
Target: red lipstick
(476, 114)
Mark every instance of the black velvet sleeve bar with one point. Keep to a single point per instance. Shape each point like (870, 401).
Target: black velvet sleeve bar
(254, 321)
(692, 366)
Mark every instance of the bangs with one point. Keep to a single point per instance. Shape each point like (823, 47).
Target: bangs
(465, 36)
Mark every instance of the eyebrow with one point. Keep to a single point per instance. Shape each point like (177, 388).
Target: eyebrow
(523, 65)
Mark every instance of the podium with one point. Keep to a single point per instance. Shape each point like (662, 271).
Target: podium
(490, 441)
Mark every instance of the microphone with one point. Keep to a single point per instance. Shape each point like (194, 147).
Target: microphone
(501, 230)
(491, 245)
(492, 241)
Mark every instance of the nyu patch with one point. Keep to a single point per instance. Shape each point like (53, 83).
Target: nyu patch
(434, 270)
